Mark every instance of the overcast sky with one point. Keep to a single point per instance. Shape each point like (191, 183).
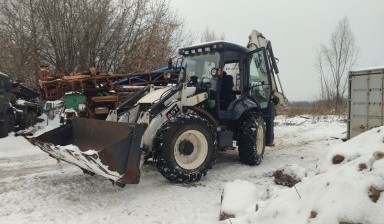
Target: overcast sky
(296, 28)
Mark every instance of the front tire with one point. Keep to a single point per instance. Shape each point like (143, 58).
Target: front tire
(184, 148)
(251, 142)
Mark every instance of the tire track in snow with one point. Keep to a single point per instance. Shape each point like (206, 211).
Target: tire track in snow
(28, 165)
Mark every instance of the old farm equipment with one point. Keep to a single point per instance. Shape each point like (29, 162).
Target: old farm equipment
(98, 93)
(182, 126)
(18, 106)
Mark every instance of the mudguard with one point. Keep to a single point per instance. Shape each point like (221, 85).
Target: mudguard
(239, 106)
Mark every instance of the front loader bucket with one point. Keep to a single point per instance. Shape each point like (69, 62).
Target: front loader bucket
(110, 149)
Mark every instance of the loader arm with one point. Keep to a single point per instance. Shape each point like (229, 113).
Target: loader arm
(132, 172)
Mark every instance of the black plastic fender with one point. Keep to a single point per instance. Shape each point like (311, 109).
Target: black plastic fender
(242, 105)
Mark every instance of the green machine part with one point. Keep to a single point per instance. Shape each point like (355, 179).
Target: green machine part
(73, 99)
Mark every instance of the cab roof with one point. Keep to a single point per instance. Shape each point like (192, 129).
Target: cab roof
(212, 46)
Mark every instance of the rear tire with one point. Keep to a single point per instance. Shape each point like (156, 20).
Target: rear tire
(24, 122)
(11, 123)
(184, 148)
(33, 118)
(28, 120)
(251, 143)
(6, 126)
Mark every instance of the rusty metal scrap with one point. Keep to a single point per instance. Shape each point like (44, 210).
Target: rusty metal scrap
(53, 87)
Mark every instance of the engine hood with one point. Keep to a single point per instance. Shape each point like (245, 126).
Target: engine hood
(160, 93)
(155, 95)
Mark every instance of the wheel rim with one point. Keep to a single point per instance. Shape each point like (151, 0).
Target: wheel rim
(259, 140)
(191, 149)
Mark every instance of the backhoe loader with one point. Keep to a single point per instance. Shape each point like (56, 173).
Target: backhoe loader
(182, 126)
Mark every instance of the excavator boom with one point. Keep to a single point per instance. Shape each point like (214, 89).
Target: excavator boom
(257, 40)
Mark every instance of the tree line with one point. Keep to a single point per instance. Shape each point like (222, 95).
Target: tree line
(72, 35)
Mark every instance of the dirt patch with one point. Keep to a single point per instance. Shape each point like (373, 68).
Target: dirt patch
(313, 214)
(224, 216)
(362, 166)
(374, 194)
(284, 179)
(337, 159)
(378, 155)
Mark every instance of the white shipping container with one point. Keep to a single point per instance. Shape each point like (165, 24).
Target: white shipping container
(365, 100)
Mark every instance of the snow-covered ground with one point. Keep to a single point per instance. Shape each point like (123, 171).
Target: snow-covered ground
(35, 189)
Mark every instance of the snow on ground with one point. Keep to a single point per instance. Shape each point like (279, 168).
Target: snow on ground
(239, 197)
(346, 189)
(34, 189)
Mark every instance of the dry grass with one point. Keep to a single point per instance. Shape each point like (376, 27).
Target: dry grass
(318, 108)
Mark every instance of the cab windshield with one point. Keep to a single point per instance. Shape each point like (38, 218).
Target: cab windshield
(201, 65)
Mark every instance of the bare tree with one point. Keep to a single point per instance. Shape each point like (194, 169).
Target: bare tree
(158, 44)
(71, 35)
(19, 41)
(334, 61)
(210, 35)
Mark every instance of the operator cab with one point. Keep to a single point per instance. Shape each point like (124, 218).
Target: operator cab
(229, 73)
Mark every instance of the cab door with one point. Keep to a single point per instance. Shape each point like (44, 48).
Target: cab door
(259, 82)
(261, 89)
